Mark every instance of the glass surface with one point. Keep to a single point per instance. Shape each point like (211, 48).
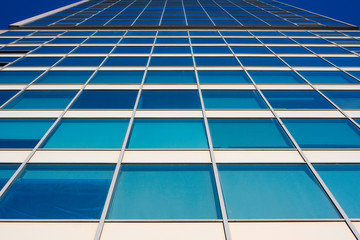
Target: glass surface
(6, 172)
(80, 61)
(273, 192)
(345, 62)
(102, 40)
(232, 99)
(250, 50)
(223, 77)
(22, 133)
(328, 78)
(342, 180)
(126, 61)
(170, 77)
(42, 100)
(132, 49)
(289, 50)
(35, 62)
(106, 99)
(6, 95)
(216, 61)
(117, 77)
(67, 40)
(93, 49)
(261, 61)
(344, 99)
(248, 133)
(306, 62)
(168, 133)
(172, 49)
(165, 192)
(137, 41)
(329, 50)
(87, 134)
(276, 77)
(57, 192)
(171, 61)
(211, 49)
(51, 49)
(64, 77)
(324, 133)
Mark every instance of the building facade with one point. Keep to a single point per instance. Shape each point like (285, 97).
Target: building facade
(180, 119)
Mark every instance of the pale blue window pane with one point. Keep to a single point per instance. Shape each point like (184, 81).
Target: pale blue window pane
(276, 77)
(250, 49)
(345, 99)
(81, 61)
(324, 133)
(117, 77)
(273, 192)
(126, 61)
(132, 49)
(306, 62)
(55, 50)
(170, 77)
(248, 133)
(41, 100)
(345, 62)
(289, 50)
(261, 61)
(216, 61)
(57, 192)
(343, 181)
(171, 61)
(168, 133)
(22, 133)
(6, 95)
(87, 133)
(233, 100)
(36, 62)
(64, 77)
(165, 192)
(172, 49)
(223, 77)
(328, 78)
(6, 171)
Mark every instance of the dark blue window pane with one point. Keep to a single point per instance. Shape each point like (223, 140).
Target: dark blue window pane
(311, 41)
(212, 49)
(109, 33)
(117, 77)
(328, 50)
(6, 171)
(203, 33)
(102, 40)
(172, 41)
(141, 33)
(345, 62)
(64, 77)
(248, 133)
(105, 99)
(249, 49)
(172, 49)
(22, 133)
(223, 77)
(242, 41)
(266, 33)
(207, 41)
(126, 61)
(81, 61)
(290, 50)
(343, 183)
(78, 33)
(328, 78)
(165, 192)
(57, 192)
(216, 61)
(233, 100)
(345, 99)
(170, 77)
(306, 62)
(41, 100)
(276, 77)
(273, 192)
(168, 133)
(56, 50)
(87, 134)
(171, 61)
(235, 33)
(67, 40)
(6, 95)
(261, 61)
(172, 33)
(137, 41)
(276, 41)
(324, 133)
(132, 49)
(36, 62)
(93, 49)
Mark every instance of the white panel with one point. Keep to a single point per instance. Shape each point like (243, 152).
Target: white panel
(173, 68)
(75, 157)
(252, 156)
(73, 68)
(285, 87)
(238, 68)
(168, 114)
(337, 87)
(166, 157)
(29, 114)
(357, 226)
(310, 114)
(239, 114)
(26, 68)
(12, 86)
(13, 156)
(315, 68)
(170, 86)
(112, 87)
(353, 114)
(97, 114)
(267, 68)
(163, 231)
(333, 156)
(351, 68)
(54, 87)
(291, 230)
(228, 86)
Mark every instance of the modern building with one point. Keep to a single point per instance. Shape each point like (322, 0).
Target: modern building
(180, 119)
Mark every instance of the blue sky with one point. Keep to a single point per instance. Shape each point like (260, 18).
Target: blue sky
(16, 10)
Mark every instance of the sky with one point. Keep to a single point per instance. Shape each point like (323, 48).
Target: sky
(13, 11)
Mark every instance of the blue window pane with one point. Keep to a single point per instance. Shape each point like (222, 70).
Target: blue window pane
(141, 33)
(311, 41)
(233, 100)
(172, 41)
(56, 50)
(170, 77)
(171, 61)
(296, 100)
(105, 99)
(87, 133)
(242, 41)
(207, 41)
(102, 40)
(6, 95)
(22, 133)
(67, 40)
(276, 77)
(261, 61)
(78, 33)
(328, 50)
(248, 133)
(328, 78)
(216, 61)
(132, 49)
(64, 77)
(324, 133)
(172, 33)
(276, 41)
(36, 62)
(93, 49)
(235, 33)
(249, 49)
(345, 99)
(345, 62)
(57, 192)
(137, 41)
(126, 61)
(266, 33)
(169, 100)
(172, 49)
(223, 77)
(273, 192)
(290, 50)
(6, 171)
(355, 74)
(212, 49)
(117, 77)
(109, 33)
(343, 183)
(306, 62)
(168, 133)
(203, 33)
(41, 100)
(165, 192)
(81, 61)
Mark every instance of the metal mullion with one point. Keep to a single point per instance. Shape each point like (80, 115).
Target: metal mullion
(183, 7)
(138, 16)
(206, 13)
(122, 152)
(162, 14)
(119, 13)
(220, 196)
(228, 13)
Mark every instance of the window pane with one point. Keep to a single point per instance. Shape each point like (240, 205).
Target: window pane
(328, 78)
(290, 50)
(345, 62)
(126, 61)
(172, 49)
(216, 61)
(170, 77)
(250, 49)
(6, 95)
(64, 77)
(306, 62)
(117, 77)
(165, 192)
(276, 77)
(55, 50)
(261, 61)
(223, 77)
(132, 49)
(36, 62)
(81, 61)
(273, 192)
(171, 61)
(93, 49)
(345, 99)
(168, 133)
(248, 133)
(57, 192)
(6, 172)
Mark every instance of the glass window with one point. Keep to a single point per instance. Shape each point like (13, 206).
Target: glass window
(80, 61)
(93, 49)
(106, 99)
(172, 49)
(18, 77)
(235, 33)
(277, 41)
(170, 77)
(55, 50)
(223, 77)
(57, 192)
(102, 40)
(290, 50)
(67, 40)
(273, 192)
(216, 61)
(171, 61)
(328, 78)
(64, 77)
(306, 62)
(248, 133)
(172, 41)
(207, 41)
(342, 180)
(345, 62)
(132, 49)
(78, 33)
(328, 50)
(141, 33)
(6, 172)
(232, 100)
(6, 95)
(137, 41)
(324, 133)
(87, 134)
(22, 133)
(261, 61)
(117, 77)
(203, 33)
(36, 62)
(211, 49)
(165, 192)
(345, 99)
(126, 61)
(266, 33)
(250, 50)
(167, 134)
(276, 77)
(172, 33)
(242, 41)
(311, 41)
(109, 33)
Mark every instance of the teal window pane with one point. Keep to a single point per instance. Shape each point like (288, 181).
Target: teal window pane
(168, 133)
(6, 95)
(41, 100)
(273, 192)
(324, 133)
(64, 77)
(22, 133)
(276, 77)
(170, 77)
(87, 133)
(6, 172)
(343, 182)
(117, 77)
(57, 192)
(345, 99)
(328, 78)
(165, 192)
(248, 133)
(233, 100)
(223, 77)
